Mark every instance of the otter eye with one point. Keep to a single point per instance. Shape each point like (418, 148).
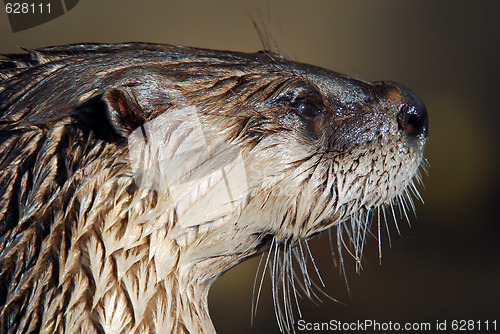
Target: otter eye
(308, 109)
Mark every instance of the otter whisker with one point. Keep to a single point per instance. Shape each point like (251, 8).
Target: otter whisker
(286, 291)
(332, 249)
(408, 198)
(255, 304)
(255, 298)
(340, 248)
(308, 290)
(275, 292)
(414, 191)
(291, 275)
(424, 166)
(379, 235)
(305, 272)
(340, 232)
(360, 226)
(391, 205)
(314, 263)
(403, 209)
(386, 223)
(282, 265)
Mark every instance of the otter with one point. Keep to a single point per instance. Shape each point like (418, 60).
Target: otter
(133, 175)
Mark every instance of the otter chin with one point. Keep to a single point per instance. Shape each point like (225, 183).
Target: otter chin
(133, 175)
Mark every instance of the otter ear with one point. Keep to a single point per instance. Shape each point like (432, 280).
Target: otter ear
(123, 111)
(110, 116)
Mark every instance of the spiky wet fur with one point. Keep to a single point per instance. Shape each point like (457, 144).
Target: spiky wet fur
(95, 235)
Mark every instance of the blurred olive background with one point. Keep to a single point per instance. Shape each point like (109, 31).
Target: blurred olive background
(447, 264)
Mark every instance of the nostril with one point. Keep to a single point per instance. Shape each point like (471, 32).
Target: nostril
(413, 120)
(412, 115)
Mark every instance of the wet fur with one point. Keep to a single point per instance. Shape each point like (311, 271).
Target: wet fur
(90, 243)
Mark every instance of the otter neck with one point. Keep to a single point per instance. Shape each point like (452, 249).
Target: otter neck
(128, 268)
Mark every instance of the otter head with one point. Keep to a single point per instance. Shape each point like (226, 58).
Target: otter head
(257, 146)
(180, 163)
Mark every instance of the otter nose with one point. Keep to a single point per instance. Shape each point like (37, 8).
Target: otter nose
(412, 115)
